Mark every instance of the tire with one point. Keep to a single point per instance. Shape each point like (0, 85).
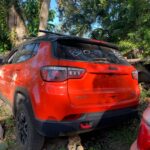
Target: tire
(27, 136)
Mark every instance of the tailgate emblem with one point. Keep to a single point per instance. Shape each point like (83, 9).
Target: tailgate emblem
(112, 68)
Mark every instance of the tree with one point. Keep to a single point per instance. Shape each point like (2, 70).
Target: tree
(126, 23)
(72, 14)
(31, 11)
(17, 27)
(44, 13)
(4, 30)
(21, 18)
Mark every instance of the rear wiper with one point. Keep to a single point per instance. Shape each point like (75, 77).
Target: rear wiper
(101, 60)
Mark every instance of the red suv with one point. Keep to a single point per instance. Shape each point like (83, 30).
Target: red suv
(60, 85)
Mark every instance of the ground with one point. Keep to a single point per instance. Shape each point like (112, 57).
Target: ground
(114, 138)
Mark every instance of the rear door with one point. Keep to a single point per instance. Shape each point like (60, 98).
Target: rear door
(11, 73)
(107, 79)
(6, 76)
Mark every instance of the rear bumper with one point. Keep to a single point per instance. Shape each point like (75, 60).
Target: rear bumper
(94, 120)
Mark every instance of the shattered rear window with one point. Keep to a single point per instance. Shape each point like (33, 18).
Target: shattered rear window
(73, 50)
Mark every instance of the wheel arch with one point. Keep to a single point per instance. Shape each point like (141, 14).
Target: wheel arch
(22, 95)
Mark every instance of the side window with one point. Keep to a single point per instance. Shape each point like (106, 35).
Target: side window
(25, 53)
(28, 47)
(35, 50)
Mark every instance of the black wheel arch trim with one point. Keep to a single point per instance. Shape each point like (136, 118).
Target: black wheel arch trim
(27, 100)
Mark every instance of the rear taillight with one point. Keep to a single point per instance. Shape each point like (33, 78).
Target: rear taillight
(135, 74)
(58, 74)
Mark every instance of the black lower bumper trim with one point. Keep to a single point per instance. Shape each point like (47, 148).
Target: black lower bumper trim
(96, 120)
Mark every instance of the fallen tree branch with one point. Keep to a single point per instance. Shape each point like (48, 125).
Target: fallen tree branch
(133, 61)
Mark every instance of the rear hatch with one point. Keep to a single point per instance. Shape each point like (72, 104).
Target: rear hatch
(106, 76)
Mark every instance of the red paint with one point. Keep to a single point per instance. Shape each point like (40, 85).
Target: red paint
(143, 139)
(102, 87)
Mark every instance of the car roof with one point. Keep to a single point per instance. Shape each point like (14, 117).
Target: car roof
(58, 37)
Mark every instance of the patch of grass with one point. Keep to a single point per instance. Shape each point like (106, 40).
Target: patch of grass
(7, 122)
(10, 133)
(145, 94)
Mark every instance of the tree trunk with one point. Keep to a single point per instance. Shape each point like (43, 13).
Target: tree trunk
(17, 27)
(45, 4)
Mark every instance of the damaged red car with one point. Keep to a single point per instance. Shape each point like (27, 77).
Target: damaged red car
(59, 85)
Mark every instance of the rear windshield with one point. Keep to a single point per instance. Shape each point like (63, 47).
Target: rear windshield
(89, 52)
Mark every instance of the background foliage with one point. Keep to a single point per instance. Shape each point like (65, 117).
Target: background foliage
(126, 23)
(4, 34)
(29, 11)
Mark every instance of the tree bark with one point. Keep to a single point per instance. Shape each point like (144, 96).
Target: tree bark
(45, 4)
(17, 26)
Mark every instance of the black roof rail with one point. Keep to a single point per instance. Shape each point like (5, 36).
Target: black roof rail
(53, 33)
